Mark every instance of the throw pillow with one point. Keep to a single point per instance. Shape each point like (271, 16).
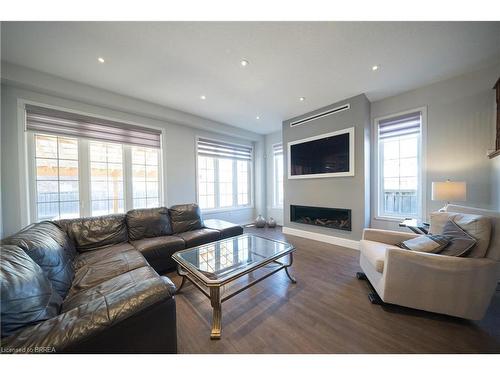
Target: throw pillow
(477, 226)
(460, 242)
(428, 243)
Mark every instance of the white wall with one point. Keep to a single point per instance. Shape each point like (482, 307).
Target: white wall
(179, 150)
(460, 117)
(272, 211)
(495, 190)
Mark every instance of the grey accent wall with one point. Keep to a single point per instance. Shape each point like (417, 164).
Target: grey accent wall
(460, 121)
(180, 128)
(340, 192)
(272, 210)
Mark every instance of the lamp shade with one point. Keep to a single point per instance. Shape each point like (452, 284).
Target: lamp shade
(449, 191)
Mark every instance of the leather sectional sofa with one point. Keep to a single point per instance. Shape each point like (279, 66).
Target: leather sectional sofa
(93, 285)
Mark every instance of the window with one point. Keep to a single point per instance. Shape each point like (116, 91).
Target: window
(57, 181)
(242, 168)
(224, 174)
(206, 182)
(278, 174)
(74, 174)
(399, 165)
(146, 177)
(106, 178)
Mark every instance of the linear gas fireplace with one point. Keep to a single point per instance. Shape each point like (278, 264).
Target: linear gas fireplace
(336, 218)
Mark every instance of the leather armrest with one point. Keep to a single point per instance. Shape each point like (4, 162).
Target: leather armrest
(86, 321)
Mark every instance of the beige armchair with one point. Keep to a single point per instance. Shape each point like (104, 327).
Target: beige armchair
(461, 287)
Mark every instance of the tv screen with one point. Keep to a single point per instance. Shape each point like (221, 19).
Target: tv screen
(325, 156)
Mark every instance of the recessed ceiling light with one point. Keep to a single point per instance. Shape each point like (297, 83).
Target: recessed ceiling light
(101, 60)
(257, 117)
(375, 67)
(244, 62)
(302, 98)
(203, 97)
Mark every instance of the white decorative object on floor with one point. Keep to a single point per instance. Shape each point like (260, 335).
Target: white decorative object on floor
(271, 223)
(260, 222)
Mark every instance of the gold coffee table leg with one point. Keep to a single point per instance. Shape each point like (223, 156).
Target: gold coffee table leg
(292, 279)
(216, 312)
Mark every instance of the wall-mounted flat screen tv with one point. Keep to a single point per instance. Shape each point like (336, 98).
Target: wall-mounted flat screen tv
(325, 155)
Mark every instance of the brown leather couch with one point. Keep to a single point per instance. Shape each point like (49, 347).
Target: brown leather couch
(92, 285)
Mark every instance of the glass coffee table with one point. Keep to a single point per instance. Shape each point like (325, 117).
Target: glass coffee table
(212, 266)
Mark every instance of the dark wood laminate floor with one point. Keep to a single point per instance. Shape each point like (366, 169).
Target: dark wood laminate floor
(327, 311)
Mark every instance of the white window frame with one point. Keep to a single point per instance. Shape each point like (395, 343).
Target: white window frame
(28, 164)
(250, 204)
(422, 156)
(276, 204)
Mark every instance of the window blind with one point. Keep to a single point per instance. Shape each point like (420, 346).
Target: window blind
(278, 149)
(208, 147)
(52, 121)
(401, 125)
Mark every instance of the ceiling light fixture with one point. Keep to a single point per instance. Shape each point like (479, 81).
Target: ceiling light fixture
(257, 117)
(203, 97)
(244, 62)
(375, 67)
(302, 98)
(101, 60)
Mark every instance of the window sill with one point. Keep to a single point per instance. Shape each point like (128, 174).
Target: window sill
(225, 209)
(391, 218)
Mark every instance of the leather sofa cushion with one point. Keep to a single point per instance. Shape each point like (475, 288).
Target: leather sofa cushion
(95, 256)
(199, 237)
(93, 274)
(158, 251)
(124, 281)
(27, 295)
(94, 320)
(158, 247)
(91, 233)
(225, 228)
(51, 249)
(148, 222)
(185, 217)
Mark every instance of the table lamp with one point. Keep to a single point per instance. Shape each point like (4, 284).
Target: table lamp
(449, 191)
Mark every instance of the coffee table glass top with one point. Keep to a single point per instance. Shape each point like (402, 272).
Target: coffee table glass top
(221, 260)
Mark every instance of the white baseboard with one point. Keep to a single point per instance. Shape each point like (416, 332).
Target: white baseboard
(352, 244)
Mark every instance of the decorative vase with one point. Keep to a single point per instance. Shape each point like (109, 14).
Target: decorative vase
(271, 223)
(260, 222)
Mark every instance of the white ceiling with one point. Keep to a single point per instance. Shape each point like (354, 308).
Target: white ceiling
(174, 63)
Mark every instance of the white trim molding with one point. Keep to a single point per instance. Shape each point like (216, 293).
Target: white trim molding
(352, 154)
(339, 241)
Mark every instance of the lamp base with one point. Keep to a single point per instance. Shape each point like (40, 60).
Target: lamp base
(444, 208)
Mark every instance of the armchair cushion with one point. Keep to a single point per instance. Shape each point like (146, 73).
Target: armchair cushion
(374, 252)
